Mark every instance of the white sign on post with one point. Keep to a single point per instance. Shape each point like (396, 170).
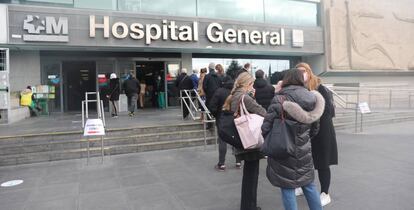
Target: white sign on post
(364, 108)
(94, 127)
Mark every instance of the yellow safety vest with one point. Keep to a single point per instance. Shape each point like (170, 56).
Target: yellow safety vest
(26, 99)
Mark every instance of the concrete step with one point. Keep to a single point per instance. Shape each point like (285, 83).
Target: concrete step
(31, 148)
(41, 138)
(96, 151)
(372, 122)
(35, 146)
(372, 116)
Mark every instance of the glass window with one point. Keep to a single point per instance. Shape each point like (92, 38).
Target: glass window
(165, 7)
(244, 10)
(268, 66)
(52, 1)
(51, 76)
(3, 60)
(96, 4)
(299, 13)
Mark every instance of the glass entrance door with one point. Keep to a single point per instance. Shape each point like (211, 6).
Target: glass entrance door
(172, 93)
(80, 77)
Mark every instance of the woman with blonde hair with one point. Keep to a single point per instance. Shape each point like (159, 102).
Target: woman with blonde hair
(243, 86)
(324, 146)
(200, 89)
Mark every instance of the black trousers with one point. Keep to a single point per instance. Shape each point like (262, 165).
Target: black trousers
(325, 179)
(223, 150)
(249, 185)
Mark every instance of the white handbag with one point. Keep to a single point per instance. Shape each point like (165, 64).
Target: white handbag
(249, 127)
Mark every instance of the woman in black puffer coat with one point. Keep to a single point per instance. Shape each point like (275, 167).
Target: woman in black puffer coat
(297, 170)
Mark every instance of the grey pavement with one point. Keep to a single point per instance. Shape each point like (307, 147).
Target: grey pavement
(376, 171)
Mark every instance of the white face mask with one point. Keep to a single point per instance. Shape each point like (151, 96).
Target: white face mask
(159, 78)
(305, 76)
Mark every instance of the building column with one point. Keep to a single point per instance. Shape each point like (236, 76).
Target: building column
(187, 61)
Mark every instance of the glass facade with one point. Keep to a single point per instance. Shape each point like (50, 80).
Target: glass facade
(268, 66)
(96, 4)
(244, 10)
(164, 7)
(300, 13)
(285, 12)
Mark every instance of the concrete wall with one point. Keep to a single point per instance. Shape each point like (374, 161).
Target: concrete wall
(317, 63)
(24, 69)
(370, 34)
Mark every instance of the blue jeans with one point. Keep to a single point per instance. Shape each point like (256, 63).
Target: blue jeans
(311, 194)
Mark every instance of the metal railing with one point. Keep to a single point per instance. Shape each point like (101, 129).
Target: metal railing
(191, 100)
(101, 115)
(387, 98)
(339, 100)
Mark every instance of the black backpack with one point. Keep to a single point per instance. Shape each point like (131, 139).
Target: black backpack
(227, 130)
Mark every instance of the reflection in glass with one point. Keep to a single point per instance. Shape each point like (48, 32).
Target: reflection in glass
(268, 66)
(96, 4)
(244, 10)
(299, 13)
(165, 7)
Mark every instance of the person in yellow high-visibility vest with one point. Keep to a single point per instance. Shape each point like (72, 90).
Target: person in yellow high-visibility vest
(27, 99)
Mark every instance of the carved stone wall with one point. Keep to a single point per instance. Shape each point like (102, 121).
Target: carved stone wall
(370, 34)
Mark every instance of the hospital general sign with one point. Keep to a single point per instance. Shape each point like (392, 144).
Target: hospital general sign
(56, 29)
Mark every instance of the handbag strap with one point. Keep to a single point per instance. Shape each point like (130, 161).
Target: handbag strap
(282, 99)
(244, 109)
(241, 108)
(237, 112)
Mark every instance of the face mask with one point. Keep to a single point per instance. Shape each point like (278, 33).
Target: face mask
(159, 78)
(305, 76)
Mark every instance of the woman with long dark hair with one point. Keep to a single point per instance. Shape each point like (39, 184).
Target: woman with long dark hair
(303, 108)
(324, 146)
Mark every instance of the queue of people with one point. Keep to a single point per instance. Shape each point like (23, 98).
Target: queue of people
(315, 146)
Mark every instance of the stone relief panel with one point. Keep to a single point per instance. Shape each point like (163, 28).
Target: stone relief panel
(371, 35)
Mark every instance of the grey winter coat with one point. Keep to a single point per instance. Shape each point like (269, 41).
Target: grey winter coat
(306, 108)
(254, 108)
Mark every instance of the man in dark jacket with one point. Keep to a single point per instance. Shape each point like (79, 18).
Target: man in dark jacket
(264, 91)
(246, 68)
(211, 83)
(131, 88)
(184, 82)
(215, 107)
(113, 95)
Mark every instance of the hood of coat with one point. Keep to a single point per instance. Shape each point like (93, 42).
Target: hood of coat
(260, 83)
(303, 116)
(299, 95)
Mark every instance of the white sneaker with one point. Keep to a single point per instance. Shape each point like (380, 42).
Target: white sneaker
(298, 191)
(325, 199)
